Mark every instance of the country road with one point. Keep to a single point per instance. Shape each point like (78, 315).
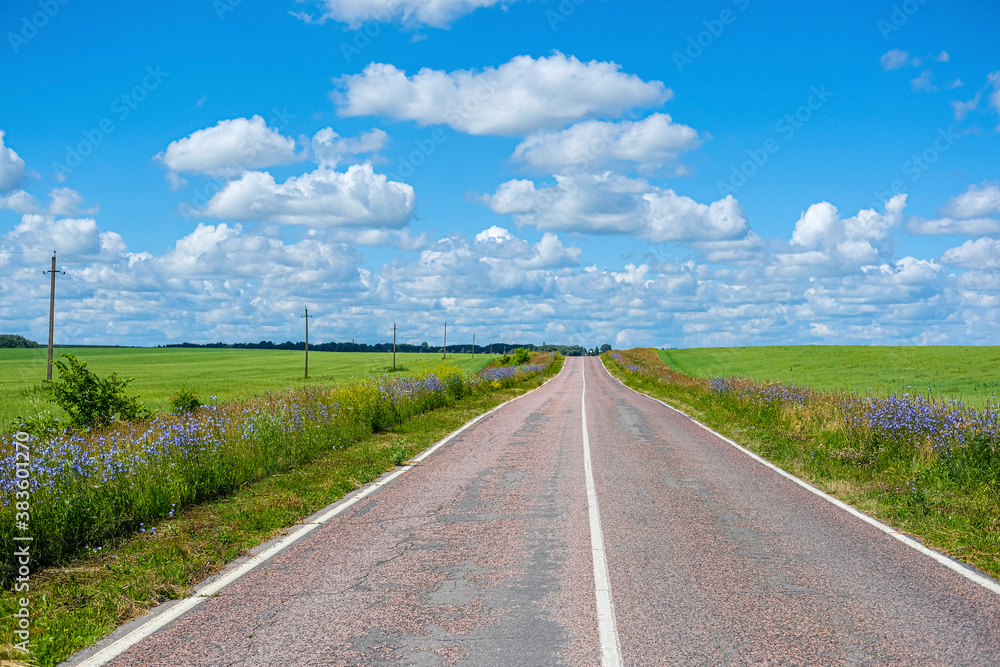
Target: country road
(584, 524)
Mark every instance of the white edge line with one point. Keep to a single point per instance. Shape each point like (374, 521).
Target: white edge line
(177, 609)
(966, 571)
(607, 624)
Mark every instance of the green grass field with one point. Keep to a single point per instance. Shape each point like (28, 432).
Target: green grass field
(971, 374)
(160, 372)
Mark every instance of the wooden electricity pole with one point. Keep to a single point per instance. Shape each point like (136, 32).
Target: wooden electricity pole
(307, 341)
(473, 346)
(445, 341)
(52, 312)
(393, 346)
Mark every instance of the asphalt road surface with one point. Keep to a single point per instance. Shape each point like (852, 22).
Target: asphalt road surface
(638, 539)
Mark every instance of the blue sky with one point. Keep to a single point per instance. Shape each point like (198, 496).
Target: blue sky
(584, 171)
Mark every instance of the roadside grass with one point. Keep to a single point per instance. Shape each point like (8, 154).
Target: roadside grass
(971, 374)
(226, 374)
(76, 603)
(942, 490)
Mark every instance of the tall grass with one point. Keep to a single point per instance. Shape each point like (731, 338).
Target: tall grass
(925, 463)
(89, 487)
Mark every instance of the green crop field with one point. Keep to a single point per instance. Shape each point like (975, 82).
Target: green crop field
(160, 372)
(971, 374)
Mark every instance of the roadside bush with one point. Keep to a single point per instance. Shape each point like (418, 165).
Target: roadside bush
(89, 487)
(89, 399)
(185, 400)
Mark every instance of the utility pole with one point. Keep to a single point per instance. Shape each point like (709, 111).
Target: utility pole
(393, 346)
(445, 341)
(52, 312)
(473, 346)
(307, 341)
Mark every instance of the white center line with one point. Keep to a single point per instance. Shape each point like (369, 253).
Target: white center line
(611, 651)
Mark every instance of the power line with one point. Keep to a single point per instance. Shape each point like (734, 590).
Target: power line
(25, 252)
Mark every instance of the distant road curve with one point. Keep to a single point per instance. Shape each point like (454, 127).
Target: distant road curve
(530, 539)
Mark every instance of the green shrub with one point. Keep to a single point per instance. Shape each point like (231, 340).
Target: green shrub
(522, 356)
(43, 425)
(185, 400)
(89, 399)
(505, 360)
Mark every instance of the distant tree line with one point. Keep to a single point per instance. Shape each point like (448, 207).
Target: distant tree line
(497, 348)
(15, 341)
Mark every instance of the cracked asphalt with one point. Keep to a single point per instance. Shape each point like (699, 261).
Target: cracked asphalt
(481, 555)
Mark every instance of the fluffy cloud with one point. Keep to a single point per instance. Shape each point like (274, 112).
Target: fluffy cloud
(612, 204)
(220, 250)
(897, 58)
(994, 81)
(66, 201)
(651, 143)
(20, 202)
(75, 236)
(518, 97)
(229, 148)
(977, 254)
(11, 167)
(323, 198)
(894, 59)
(977, 200)
(856, 241)
(492, 266)
(964, 214)
(967, 227)
(226, 282)
(410, 13)
(329, 148)
(991, 90)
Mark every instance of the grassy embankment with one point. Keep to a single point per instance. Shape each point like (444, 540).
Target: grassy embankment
(971, 374)
(321, 445)
(926, 467)
(225, 374)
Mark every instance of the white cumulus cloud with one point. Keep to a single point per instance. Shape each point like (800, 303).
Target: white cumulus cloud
(651, 143)
(323, 198)
(518, 97)
(612, 204)
(75, 236)
(20, 202)
(977, 254)
(966, 227)
(977, 200)
(409, 13)
(329, 148)
(895, 59)
(11, 167)
(229, 148)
